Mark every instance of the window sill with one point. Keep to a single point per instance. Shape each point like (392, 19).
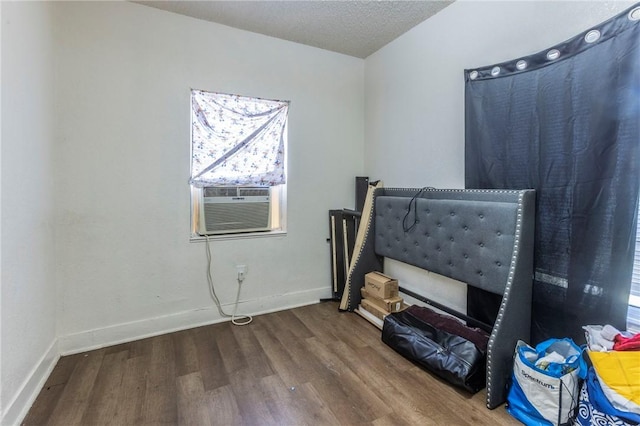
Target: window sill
(249, 235)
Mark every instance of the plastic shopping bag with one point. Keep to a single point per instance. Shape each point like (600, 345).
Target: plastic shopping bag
(546, 382)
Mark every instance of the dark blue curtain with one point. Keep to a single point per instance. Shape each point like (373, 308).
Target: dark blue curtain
(566, 122)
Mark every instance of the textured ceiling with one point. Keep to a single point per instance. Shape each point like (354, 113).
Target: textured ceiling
(356, 28)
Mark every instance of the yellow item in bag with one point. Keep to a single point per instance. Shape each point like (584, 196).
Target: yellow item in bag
(619, 376)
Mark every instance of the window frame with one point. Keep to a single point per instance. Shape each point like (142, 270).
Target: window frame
(278, 193)
(633, 310)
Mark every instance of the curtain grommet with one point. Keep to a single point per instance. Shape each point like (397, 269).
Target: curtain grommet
(495, 71)
(592, 36)
(473, 75)
(521, 64)
(553, 54)
(634, 14)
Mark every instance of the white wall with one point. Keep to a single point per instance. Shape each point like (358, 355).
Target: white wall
(414, 88)
(28, 342)
(126, 267)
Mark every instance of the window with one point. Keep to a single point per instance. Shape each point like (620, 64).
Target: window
(633, 314)
(238, 164)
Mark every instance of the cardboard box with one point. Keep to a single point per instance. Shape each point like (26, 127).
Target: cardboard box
(380, 285)
(375, 310)
(393, 304)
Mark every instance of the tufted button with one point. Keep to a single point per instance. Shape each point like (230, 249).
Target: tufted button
(451, 239)
(451, 264)
(439, 224)
(481, 216)
(466, 228)
(498, 263)
(415, 243)
(481, 244)
(498, 233)
(428, 211)
(480, 273)
(438, 248)
(452, 213)
(466, 256)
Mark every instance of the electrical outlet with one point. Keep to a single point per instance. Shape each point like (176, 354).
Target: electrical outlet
(242, 271)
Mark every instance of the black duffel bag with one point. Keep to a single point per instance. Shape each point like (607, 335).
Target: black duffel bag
(450, 356)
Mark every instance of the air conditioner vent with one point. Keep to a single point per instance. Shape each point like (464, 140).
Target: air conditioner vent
(220, 191)
(253, 192)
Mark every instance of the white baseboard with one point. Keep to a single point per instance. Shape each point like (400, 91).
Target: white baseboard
(127, 332)
(19, 406)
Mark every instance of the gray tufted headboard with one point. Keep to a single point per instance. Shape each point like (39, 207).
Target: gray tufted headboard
(481, 237)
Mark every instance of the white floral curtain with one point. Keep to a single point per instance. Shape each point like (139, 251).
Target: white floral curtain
(237, 140)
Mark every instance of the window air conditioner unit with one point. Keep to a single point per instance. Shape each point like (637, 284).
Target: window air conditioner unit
(231, 209)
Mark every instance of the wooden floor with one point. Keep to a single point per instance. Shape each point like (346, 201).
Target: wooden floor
(310, 365)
